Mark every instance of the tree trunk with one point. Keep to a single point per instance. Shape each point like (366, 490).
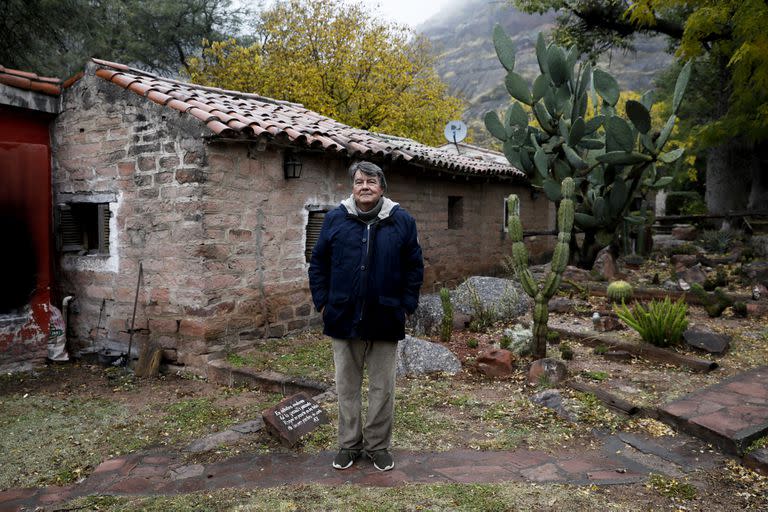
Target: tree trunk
(729, 175)
(758, 196)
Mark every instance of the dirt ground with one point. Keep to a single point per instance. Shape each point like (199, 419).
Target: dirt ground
(59, 422)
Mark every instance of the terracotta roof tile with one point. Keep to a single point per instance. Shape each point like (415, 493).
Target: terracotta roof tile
(233, 114)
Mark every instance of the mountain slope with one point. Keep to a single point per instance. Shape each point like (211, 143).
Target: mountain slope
(461, 35)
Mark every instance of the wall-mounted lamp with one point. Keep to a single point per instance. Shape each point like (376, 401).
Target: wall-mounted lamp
(291, 165)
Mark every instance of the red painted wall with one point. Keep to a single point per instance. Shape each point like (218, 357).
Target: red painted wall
(25, 214)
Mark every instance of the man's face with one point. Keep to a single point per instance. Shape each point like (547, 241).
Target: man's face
(366, 190)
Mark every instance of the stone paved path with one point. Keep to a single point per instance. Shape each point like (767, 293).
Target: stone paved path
(730, 414)
(623, 459)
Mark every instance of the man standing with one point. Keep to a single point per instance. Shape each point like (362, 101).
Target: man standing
(365, 274)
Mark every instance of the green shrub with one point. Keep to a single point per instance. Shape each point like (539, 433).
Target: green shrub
(740, 309)
(661, 323)
(719, 240)
(553, 337)
(600, 350)
(685, 248)
(446, 326)
(566, 352)
(482, 317)
(619, 291)
(505, 342)
(714, 303)
(472, 342)
(718, 280)
(596, 375)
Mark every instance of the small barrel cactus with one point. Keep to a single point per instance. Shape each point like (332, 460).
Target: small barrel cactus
(619, 291)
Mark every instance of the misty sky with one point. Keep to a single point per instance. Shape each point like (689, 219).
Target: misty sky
(410, 12)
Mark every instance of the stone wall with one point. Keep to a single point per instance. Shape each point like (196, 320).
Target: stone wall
(149, 163)
(220, 232)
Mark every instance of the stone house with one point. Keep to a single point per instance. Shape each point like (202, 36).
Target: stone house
(218, 195)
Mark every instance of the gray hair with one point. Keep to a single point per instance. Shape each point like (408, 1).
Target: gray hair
(369, 169)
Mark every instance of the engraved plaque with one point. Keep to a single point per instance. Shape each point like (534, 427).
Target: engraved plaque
(294, 417)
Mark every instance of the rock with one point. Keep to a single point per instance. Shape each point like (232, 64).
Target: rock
(213, 441)
(756, 272)
(617, 355)
(605, 265)
(672, 285)
(576, 274)
(668, 244)
(521, 340)
(757, 460)
(684, 232)
(552, 399)
(502, 296)
(547, 370)
(421, 357)
(759, 244)
(759, 291)
(426, 320)
(607, 322)
(684, 261)
(496, 362)
(708, 341)
(561, 305)
(694, 274)
(460, 320)
(683, 285)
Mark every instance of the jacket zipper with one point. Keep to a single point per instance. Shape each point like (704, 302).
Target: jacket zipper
(365, 265)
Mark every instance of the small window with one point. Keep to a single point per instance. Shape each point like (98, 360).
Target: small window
(505, 222)
(84, 227)
(455, 212)
(314, 225)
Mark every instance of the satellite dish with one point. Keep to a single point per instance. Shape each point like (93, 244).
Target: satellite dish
(455, 131)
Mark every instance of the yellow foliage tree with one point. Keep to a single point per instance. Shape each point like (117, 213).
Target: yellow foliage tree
(337, 60)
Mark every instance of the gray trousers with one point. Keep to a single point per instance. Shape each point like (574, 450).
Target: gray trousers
(350, 358)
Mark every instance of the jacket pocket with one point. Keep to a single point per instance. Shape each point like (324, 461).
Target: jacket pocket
(391, 309)
(334, 311)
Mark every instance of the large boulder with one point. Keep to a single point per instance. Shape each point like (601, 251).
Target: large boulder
(756, 272)
(420, 357)
(604, 267)
(428, 316)
(684, 232)
(502, 296)
(547, 371)
(495, 362)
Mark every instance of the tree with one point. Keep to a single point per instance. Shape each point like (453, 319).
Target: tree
(337, 60)
(729, 41)
(56, 37)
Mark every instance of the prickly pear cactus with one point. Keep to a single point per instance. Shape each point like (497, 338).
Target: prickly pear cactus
(619, 291)
(542, 293)
(611, 159)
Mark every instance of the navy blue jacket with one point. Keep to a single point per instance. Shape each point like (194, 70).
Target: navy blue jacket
(364, 277)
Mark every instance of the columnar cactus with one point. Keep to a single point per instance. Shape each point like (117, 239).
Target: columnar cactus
(542, 293)
(611, 158)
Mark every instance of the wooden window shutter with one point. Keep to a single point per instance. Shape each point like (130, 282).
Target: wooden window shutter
(314, 225)
(103, 221)
(71, 230)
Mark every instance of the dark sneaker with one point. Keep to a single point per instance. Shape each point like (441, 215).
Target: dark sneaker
(345, 458)
(382, 460)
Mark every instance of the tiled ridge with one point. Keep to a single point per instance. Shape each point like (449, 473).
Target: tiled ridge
(233, 114)
(30, 81)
